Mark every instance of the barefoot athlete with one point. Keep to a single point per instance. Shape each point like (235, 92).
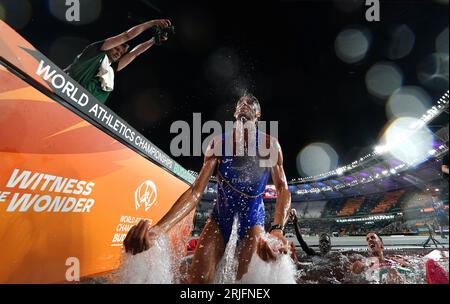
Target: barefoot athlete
(241, 183)
(94, 68)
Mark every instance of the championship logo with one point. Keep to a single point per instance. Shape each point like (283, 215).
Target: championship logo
(145, 195)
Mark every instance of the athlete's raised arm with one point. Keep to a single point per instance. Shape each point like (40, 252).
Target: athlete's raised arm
(138, 50)
(132, 33)
(189, 199)
(141, 238)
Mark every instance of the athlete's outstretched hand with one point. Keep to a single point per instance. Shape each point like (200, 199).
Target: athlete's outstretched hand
(140, 237)
(269, 254)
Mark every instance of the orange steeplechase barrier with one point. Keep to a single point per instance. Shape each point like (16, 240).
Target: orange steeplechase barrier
(72, 183)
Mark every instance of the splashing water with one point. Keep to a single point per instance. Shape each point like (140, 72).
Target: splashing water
(240, 137)
(334, 268)
(153, 266)
(281, 271)
(227, 267)
(157, 266)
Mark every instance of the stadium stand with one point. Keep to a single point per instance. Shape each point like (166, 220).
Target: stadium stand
(369, 203)
(389, 200)
(351, 206)
(332, 207)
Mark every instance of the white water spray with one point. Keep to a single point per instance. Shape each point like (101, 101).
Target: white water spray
(240, 141)
(227, 267)
(153, 266)
(281, 271)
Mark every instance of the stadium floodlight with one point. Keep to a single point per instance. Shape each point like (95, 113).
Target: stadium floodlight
(380, 149)
(385, 172)
(393, 171)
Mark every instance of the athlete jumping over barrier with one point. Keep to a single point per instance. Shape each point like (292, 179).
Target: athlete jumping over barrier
(241, 184)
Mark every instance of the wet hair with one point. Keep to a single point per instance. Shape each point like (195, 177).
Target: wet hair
(253, 99)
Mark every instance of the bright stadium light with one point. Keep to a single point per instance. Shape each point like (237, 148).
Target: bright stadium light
(380, 149)
(406, 138)
(409, 145)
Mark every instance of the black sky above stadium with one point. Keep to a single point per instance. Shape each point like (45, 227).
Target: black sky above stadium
(281, 51)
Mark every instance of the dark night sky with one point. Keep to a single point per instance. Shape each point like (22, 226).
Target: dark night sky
(282, 51)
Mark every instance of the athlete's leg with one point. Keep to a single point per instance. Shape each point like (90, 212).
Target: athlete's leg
(208, 253)
(246, 249)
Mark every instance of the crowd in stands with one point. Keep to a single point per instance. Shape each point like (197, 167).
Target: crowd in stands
(351, 206)
(389, 200)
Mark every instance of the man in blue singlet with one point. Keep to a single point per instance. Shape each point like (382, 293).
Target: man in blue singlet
(242, 177)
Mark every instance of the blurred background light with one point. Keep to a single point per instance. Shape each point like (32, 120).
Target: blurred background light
(433, 72)
(406, 144)
(316, 158)
(408, 101)
(401, 42)
(351, 45)
(16, 13)
(383, 78)
(441, 42)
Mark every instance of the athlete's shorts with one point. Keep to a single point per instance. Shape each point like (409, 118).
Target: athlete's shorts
(250, 213)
